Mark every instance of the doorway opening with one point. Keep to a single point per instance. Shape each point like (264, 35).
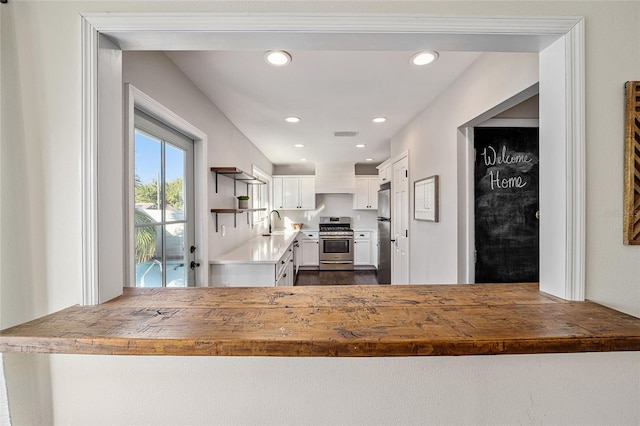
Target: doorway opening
(506, 204)
(164, 204)
(139, 105)
(558, 40)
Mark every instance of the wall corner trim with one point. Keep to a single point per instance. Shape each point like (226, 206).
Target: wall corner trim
(89, 155)
(576, 163)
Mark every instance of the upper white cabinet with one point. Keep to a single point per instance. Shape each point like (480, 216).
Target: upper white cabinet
(385, 172)
(366, 195)
(294, 192)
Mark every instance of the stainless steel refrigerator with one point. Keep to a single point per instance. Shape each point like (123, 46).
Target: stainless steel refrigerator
(384, 234)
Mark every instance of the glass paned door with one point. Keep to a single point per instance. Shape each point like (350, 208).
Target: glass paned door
(163, 205)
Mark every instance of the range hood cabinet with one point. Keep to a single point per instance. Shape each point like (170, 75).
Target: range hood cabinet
(335, 178)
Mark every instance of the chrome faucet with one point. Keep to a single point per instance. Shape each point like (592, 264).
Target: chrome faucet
(278, 213)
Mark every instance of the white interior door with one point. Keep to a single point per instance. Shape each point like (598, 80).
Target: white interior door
(400, 222)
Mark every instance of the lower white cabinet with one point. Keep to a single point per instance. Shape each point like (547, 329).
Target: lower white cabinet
(297, 252)
(285, 270)
(362, 248)
(365, 248)
(309, 249)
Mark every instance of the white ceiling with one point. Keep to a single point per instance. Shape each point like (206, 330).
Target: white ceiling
(331, 91)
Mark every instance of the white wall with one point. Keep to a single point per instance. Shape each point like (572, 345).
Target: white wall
(476, 390)
(157, 76)
(611, 51)
(432, 141)
(40, 269)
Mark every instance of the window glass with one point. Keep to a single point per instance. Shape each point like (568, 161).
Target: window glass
(163, 205)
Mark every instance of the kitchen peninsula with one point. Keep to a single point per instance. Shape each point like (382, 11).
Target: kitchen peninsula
(403, 320)
(266, 260)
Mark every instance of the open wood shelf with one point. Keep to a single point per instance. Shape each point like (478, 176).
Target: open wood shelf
(236, 174)
(235, 212)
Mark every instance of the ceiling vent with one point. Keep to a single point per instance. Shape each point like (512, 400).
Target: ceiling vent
(345, 134)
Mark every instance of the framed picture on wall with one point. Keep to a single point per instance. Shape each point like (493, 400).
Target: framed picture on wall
(425, 199)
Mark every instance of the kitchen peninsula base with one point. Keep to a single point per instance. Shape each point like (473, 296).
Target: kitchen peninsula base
(262, 261)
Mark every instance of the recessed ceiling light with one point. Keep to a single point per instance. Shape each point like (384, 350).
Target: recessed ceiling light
(299, 145)
(360, 145)
(424, 58)
(303, 159)
(278, 58)
(379, 120)
(292, 119)
(369, 159)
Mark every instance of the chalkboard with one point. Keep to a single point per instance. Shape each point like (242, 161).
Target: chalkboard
(506, 205)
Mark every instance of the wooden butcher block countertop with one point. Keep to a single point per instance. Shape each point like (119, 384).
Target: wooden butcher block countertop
(330, 321)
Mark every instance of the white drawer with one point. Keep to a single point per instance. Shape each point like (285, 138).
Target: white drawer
(309, 235)
(362, 235)
(282, 263)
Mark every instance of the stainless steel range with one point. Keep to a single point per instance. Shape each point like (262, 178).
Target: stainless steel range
(336, 243)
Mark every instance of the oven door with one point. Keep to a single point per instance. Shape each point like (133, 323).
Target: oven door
(336, 252)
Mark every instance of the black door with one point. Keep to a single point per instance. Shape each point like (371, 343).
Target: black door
(506, 205)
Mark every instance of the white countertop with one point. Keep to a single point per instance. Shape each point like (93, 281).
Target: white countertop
(260, 249)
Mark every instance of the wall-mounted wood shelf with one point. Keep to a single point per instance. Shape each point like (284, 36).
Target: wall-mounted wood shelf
(237, 175)
(236, 212)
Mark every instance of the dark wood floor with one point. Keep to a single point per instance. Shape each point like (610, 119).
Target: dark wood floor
(364, 277)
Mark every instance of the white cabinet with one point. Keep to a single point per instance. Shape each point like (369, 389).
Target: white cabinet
(278, 194)
(297, 252)
(362, 248)
(306, 193)
(255, 273)
(285, 270)
(309, 249)
(294, 192)
(366, 195)
(385, 172)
